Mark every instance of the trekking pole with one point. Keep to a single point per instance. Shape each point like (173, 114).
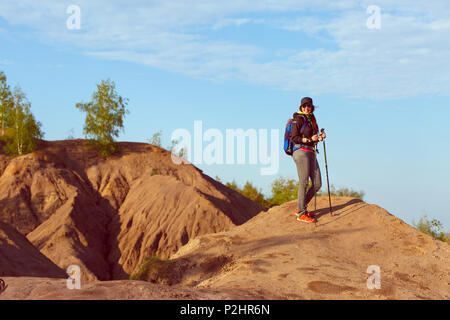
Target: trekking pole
(316, 151)
(315, 168)
(326, 168)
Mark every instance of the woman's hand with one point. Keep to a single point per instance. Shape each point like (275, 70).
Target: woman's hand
(322, 136)
(315, 138)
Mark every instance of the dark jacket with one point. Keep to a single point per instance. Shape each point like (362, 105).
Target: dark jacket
(308, 132)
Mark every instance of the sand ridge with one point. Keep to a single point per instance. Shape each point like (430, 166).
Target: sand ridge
(64, 205)
(107, 215)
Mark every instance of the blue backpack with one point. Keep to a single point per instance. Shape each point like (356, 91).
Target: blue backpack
(288, 143)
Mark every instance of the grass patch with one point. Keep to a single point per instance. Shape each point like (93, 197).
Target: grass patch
(157, 270)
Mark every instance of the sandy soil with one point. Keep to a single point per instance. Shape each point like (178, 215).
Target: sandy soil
(272, 256)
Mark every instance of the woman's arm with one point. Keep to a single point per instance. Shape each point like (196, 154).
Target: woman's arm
(297, 123)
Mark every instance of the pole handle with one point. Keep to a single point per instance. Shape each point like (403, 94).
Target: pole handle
(322, 131)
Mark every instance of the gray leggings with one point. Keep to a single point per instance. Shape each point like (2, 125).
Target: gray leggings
(307, 167)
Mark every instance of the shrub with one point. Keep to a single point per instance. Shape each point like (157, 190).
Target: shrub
(342, 192)
(156, 270)
(156, 139)
(285, 190)
(432, 228)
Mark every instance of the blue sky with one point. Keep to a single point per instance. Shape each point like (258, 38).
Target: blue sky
(382, 94)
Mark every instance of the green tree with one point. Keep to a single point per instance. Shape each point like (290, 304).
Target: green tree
(251, 192)
(24, 128)
(6, 104)
(233, 186)
(104, 117)
(283, 190)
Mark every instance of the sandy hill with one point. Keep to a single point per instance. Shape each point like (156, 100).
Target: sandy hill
(277, 257)
(18, 257)
(272, 256)
(106, 215)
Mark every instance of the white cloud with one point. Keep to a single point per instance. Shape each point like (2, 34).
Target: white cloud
(408, 56)
(5, 62)
(223, 23)
(440, 25)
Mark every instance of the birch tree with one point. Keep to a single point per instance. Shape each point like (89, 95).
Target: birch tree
(104, 116)
(24, 129)
(6, 104)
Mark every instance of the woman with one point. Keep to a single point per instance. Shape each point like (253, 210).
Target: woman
(305, 135)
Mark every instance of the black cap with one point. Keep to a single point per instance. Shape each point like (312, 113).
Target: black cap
(306, 100)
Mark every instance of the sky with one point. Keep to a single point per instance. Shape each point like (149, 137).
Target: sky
(378, 72)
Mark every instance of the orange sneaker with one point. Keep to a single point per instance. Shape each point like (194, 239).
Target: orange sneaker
(311, 215)
(298, 213)
(305, 218)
